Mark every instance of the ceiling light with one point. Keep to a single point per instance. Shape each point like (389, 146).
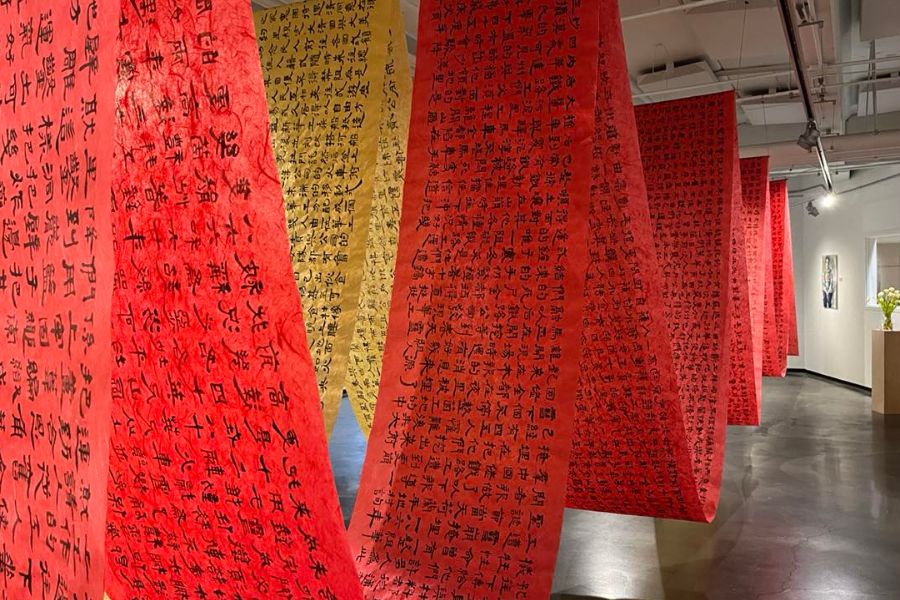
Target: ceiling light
(810, 136)
(827, 200)
(811, 209)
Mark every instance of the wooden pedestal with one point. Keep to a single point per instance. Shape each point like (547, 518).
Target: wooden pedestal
(886, 372)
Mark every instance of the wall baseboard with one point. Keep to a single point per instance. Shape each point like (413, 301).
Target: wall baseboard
(830, 379)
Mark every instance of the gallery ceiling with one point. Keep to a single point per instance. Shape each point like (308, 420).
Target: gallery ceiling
(849, 48)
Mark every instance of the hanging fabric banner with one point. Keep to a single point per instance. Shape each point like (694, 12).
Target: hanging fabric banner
(770, 328)
(776, 337)
(743, 398)
(790, 305)
(755, 194)
(630, 452)
(220, 484)
(57, 73)
(463, 486)
(324, 65)
(367, 348)
(687, 150)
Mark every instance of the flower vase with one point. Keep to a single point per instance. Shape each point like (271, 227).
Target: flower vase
(888, 324)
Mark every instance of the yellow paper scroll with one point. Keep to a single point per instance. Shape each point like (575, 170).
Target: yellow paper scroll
(367, 348)
(324, 63)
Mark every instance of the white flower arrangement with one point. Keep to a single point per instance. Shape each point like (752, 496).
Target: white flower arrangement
(888, 300)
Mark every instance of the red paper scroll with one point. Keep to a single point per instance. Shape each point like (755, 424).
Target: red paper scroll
(770, 327)
(743, 397)
(219, 482)
(57, 76)
(790, 305)
(775, 344)
(755, 197)
(630, 452)
(687, 149)
(463, 486)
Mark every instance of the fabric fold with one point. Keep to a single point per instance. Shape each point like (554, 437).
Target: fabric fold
(220, 483)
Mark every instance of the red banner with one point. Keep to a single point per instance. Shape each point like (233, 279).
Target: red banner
(775, 343)
(743, 398)
(687, 150)
(463, 486)
(630, 452)
(57, 76)
(790, 304)
(755, 197)
(220, 483)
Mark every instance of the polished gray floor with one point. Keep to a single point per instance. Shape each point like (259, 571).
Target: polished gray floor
(810, 510)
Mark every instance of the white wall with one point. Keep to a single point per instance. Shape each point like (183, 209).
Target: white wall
(838, 343)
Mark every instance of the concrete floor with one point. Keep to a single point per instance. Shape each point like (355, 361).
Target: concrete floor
(810, 510)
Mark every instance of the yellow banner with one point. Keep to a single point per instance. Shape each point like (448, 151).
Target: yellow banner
(324, 63)
(367, 348)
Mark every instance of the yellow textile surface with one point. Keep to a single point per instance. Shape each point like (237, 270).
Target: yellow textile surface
(367, 348)
(324, 65)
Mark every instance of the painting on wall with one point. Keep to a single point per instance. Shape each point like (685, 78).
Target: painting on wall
(830, 281)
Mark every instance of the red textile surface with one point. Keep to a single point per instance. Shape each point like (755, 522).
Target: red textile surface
(775, 343)
(57, 76)
(790, 304)
(743, 398)
(770, 329)
(755, 195)
(464, 482)
(220, 484)
(630, 452)
(689, 165)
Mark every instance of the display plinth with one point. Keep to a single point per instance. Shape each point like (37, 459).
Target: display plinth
(886, 372)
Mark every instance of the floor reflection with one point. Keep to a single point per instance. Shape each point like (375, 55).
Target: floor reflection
(809, 511)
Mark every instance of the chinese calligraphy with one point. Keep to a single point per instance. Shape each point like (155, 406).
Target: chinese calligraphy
(367, 348)
(775, 339)
(219, 476)
(324, 64)
(755, 198)
(463, 487)
(56, 112)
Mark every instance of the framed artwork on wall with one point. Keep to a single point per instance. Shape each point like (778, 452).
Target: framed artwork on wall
(830, 281)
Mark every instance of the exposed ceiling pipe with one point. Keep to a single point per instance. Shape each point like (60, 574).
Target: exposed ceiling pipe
(790, 34)
(806, 9)
(789, 94)
(750, 76)
(793, 93)
(778, 69)
(671, 9)
(859, 62)
(855, 166)
(704, 86)
(754, 70)
(803, 193)
(873, 89)
(859, 147)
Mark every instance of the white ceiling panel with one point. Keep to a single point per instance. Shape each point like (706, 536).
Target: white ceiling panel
(741, 44)
(719, 33)
(656, 41)
(774, 113)
(879, 19)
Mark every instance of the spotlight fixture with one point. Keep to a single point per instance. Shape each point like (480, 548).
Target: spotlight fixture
(810, 136)
(827, 200)
(811, 209)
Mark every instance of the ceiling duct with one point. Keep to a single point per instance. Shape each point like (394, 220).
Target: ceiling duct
(773, 112)
(879, 19)
(678, 76)
(851, 148)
